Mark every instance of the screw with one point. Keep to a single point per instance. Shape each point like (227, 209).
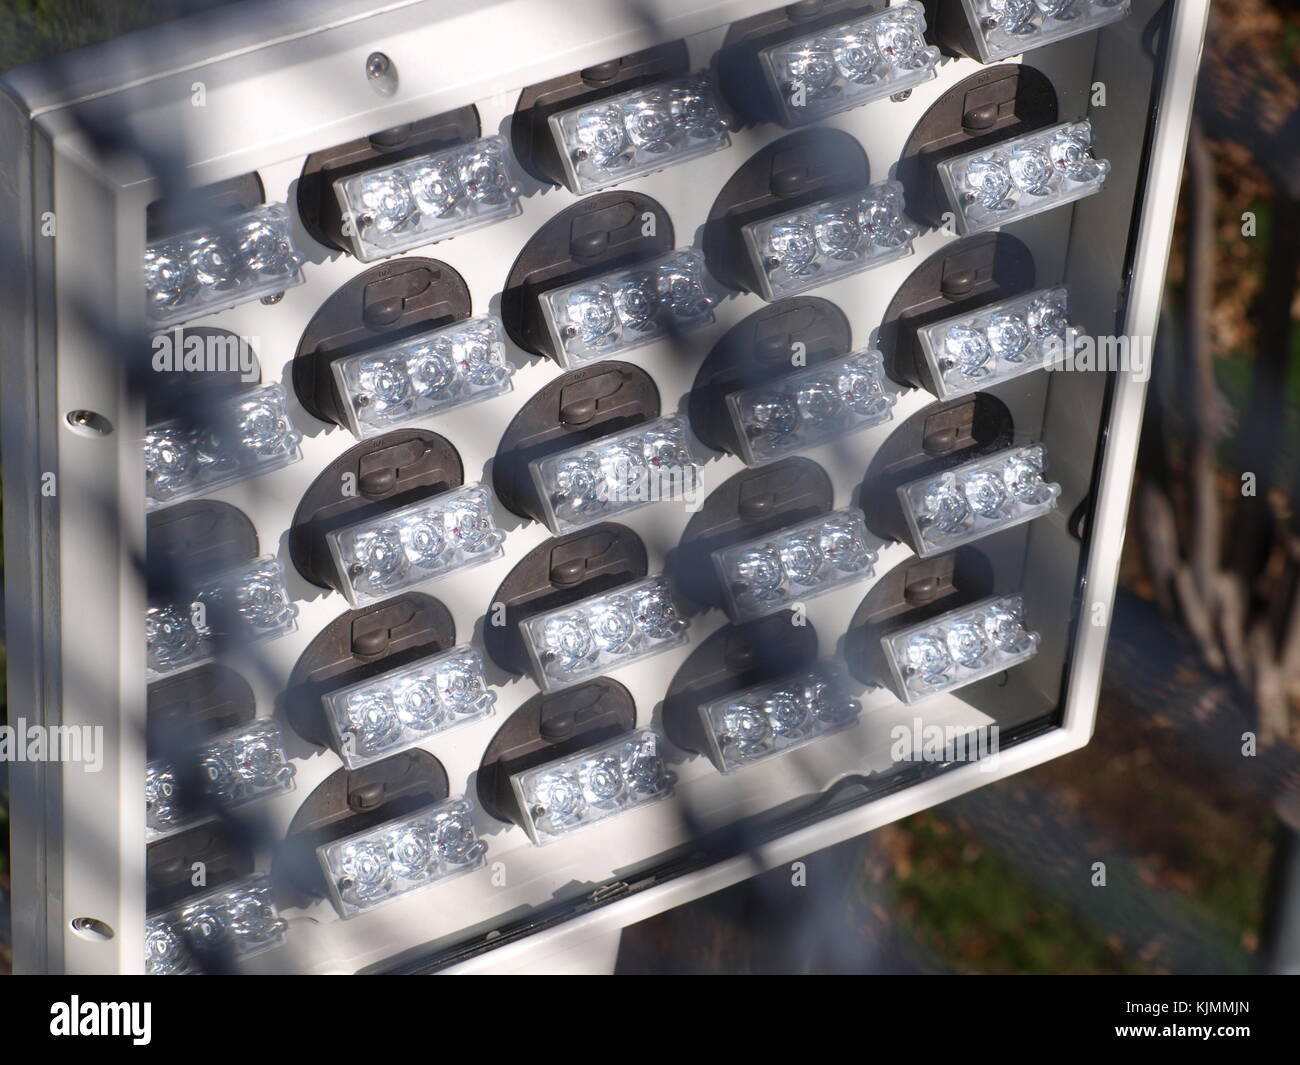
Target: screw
(899, 97)
(272, 299)
(377, 65)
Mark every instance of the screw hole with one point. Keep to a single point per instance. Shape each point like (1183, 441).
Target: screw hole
(88, 423)
(92, 928)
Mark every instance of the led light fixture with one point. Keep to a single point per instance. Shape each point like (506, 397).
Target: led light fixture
(1003, 28)
(241, 436)
(959, 647)
(977, 498)
(810, 407)
(798, 250)
(208, 933)
(563, 796)
(611, 314)
(639, 132)
(221, 265)
(389, 553)
(429, 198)
(998, 342)
(423, 375)
(603, 633)
(850, 64)
(1022, 177)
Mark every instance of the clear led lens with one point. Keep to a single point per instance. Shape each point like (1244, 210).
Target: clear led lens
(977, 498)
(822, 242)
(398, 709)
(639, 132)
(803, 409)
(768, 574)
(213, 931)
(241, 436)
(571, 793)
(959, 647)
(1003, 28)
(850, 64)
(219, 266)
(424, 375)
(611, 314)
(1022, 177)
(615, 474)
(603, 633)
(392, 552)
(429, 198)
(378, 865)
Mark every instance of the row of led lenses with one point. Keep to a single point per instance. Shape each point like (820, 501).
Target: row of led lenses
(389, 553)
(423, 375)
(603, 632)
(639, 132)
(1003, 28)
(237, 767)
(997, 343)
(850, 64)
(593, 482)
(210, 932)
(571, 793)
(770, 719)
(771, 572)
(801, 249)
(429, 198)
(369, 868)
(251, 602)
(959, 647)
(612, 313)
(398, 709)
(977, 498)
(801, 410)
(240, 436)
(1022, 176)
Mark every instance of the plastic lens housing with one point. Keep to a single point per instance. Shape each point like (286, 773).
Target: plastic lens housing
(603, 632)
(809, 407)
(850, 64)
(214, 930)
(241, 436)
(767, 574)
(381, 864)
(613, 313)
(1022, 177)
(593, 482)
(635, 133)
(219, 266)
(1003, 28)
(959, 647)
(815, 245)
(563, 796)
(429, 198)
(389, 553)
(997, 343)
(423, 375)
(398, 709)
(978, 498)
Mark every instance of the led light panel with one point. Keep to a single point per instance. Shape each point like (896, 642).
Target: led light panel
(416, 378)
(850, 64)
(378, 865)
(209, 933)
(1003, 28)
(977, 498)
(221, 265)
(392, 552)
(788, 566)
(611, 314)
(1022, 177)
(810, 407)
(814, 245)
(996, 343)
(429, 198)
(563, 796)
(603, 632)
(639, 132)
(959, 647)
